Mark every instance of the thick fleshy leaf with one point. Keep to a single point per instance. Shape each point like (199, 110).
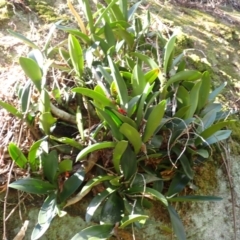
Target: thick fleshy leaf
(176, 223)
(168, 52)
(219, 136)
(65, 166)
(132, 135)
(128, 163)
(87, 188)
(193, 98)
(154, 120)
(32, 154)
(110, 38)
(96, 201)
(50, 165)
(194, 198)
(32, 70)
(138, 81)
(11, 109)
(46, 122)
(204, 90)
(100, 232)
(71, 185)
(132, 219)
(99, 98)
(94, 147)
(149, 61)
(17, 155)
(76, 55)
(207, 121)
(211, 130)
(68, 141)
(112, 209)
(183, 98)
(33, 185)
(26, 96)
(85, 5)
(117, 154)
(120, 83)
(178, 183)
(216, 91)
(189, 75)
(152, 75)
(22, 38)
(47, 212)
(132, 10)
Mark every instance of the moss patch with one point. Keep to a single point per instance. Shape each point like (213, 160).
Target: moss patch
(46, 11)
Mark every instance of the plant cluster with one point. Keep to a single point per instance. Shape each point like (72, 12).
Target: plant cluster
(144, 120)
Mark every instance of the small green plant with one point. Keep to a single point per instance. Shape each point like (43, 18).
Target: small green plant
(154, 119)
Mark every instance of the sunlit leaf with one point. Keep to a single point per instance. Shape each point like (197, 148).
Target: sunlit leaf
(94, 147)
(149, 61)
(216, 91)
(32, 70)
(17, 155)
(152, 75)
(138, 81)
(11, 109)
(65, 166)
(132, 10)
(132, 135)
(26, 96)
(68, 141)
(219, 136)
(154, 120)
(47, 121)
(33, 185)
(133, 218)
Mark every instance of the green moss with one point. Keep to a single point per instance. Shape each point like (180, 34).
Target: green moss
(5, 12)
(45, 11)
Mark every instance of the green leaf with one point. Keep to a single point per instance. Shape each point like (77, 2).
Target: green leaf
(26, 96)
(178, 183)
(211, 130)
(112, 209)
(85, 5)
(110, 38)
(183, 98)
(151, 75)
(132, 10)
(219, 136)
(149, 61)
(65, 166)
(194, 198)
(132, 219)
(204, 90)
(138, 81)
(207, 121)
(94, 147)
(45, 216)
(216, 91)
(76, 33)
(117, 154)
(50, 165)
(32, 154)
(99, 98)
(32, 70)
(100, 232)
(17, 155)
(68, 141)
(128, 163)
(154, 120)
(46, 122)
(22, 38)
(96, 201)
(71, 185)
(33, 185)
(113, 121)
(76, 54)
(132, 135)
(189, 75)
(115, 10)
(120, 83)
(193, 97)
(182, 112)
(168, 52)
(11, 109)
(176, 223)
